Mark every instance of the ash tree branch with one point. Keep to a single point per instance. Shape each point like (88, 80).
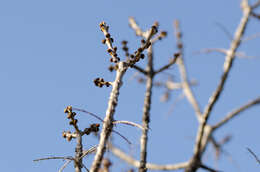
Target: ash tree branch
(172, 61)
(139, 69)
(55, 157)
(227, 66)
(64, 165)
(108, 121)
(186, 87)
(236, 112)
(120, 154)
(146, 111)
(113, 99)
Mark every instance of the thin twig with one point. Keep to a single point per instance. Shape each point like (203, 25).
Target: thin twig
(172, 61)
(91, 150)
(257, 4)
(128, 141)
(257, 159)
(129, 123)
(208, 168)
(92, 114)
(141, 70)
(135, 27)
(225, 30)
(236, 112)
(100, 119)
(55, 157)
(85, 167)
(223, 51)
(64, 165)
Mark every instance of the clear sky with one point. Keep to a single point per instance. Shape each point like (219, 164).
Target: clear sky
(51, 51)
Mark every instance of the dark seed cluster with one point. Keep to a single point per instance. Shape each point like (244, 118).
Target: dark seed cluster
(100, 82)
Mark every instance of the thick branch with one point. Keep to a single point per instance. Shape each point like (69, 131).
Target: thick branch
(79, 153)
(108, 121)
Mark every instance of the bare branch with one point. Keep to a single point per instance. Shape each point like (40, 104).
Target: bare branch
(108, 121)
(122, 137)
(55, 157)
(65, 165)
(227, 66)
(91, 150)
(229, 58)
(208, 168)
(120, 154)
(129, 123)
(92, 114)
(257, 4)
(251, 37)
(146, 111)
(172, 61)
(135, 27)
(223, 51)
(139, 69)
(225, 30)
(249, 150)
(236, 112)
(186, 87)
(175, 86)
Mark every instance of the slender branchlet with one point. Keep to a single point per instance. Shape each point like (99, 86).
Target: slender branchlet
(180, 62)
(108, 41)
(254, 155)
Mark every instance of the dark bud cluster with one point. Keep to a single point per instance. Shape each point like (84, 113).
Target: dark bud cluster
(136, 57)
(109, 40)
(111, 68)
(100, 82)
(125, 48)
(162, 35)
(93, 128)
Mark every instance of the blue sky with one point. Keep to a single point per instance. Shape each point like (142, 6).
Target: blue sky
(51, 51)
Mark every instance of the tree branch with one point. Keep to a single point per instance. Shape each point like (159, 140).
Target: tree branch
(249, 150)
(236, 112)
(227, 66)
(120, 154)
(186, 87)
(108, 121)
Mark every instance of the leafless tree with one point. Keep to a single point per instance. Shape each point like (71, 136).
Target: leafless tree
(205, 130)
